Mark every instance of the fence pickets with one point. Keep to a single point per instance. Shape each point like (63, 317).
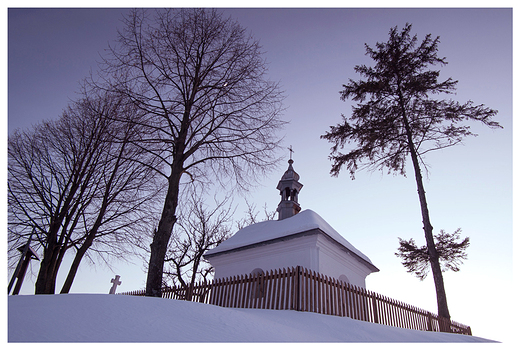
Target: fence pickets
(300, 289)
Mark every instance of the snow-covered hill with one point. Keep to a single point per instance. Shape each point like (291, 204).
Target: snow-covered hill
(118, 318)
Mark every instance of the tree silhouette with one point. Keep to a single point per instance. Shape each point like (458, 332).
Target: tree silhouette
(212, 115)
(199, 229)
(397, 117)
(451, 253)
(75, 180)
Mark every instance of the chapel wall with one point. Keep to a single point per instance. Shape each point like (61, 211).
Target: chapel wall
(283, 254)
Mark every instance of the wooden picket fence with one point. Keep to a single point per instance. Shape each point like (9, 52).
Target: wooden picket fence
(302, 290)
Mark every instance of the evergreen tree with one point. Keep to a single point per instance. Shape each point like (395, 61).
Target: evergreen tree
(450, 251)
(397, 117)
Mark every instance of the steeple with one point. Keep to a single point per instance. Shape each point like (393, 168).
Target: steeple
(289, 188)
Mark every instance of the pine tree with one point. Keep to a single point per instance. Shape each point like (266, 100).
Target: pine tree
(450, 251)
(397, 117)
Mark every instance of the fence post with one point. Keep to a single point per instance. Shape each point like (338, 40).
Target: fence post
(189, 292)
(430, 322)
(298, 284)
(374, 308)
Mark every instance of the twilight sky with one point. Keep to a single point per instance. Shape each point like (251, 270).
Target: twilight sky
(312, 52)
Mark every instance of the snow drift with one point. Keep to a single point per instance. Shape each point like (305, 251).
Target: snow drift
(119, 318)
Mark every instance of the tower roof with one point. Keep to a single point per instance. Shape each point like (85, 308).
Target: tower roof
(290, 177)
(290, 174)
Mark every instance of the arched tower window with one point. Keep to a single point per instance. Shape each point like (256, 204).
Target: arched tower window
(294, 195)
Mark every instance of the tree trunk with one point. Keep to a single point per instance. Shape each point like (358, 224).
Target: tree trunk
(89, 239)
(75, 265)
(162, 235)
(46, 281)
(196, 264)
(442, 303)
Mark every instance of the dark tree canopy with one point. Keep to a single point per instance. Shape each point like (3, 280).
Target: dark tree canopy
(451, 253)
(396, 110)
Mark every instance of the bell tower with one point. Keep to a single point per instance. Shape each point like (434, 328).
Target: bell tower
(289, 188)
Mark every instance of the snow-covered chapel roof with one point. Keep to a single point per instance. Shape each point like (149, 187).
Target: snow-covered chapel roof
(274, 229)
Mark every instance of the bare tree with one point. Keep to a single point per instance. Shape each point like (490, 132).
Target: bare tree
(211, 112)
(198, 229)
(75, 181)
(397, 116)
(251, 215)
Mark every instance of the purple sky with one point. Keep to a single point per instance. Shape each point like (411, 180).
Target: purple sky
(312, 52)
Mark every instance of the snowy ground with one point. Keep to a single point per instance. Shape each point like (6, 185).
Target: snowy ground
(118, 318)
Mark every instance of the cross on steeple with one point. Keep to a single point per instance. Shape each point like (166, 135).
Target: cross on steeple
(290, 151)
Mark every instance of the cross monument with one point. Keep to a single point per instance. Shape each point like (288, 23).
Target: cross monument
(115, 282)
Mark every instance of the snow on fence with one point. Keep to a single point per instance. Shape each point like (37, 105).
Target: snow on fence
(300, 289)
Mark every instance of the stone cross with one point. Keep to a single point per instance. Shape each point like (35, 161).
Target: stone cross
(115, 282)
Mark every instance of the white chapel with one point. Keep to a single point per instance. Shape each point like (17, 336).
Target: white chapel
(297, 238)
